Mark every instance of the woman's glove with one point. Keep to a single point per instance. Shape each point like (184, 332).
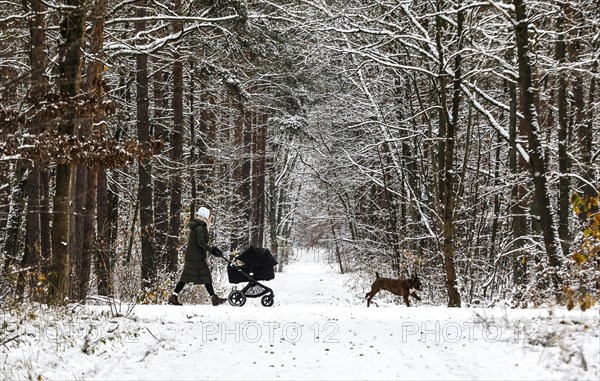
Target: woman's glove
(216, 251)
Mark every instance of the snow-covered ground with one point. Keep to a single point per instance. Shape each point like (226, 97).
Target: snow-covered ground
(317, 329)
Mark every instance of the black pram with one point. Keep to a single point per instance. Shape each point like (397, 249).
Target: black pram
(257, 265)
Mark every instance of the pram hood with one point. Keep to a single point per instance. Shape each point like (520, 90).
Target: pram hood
(257, 257)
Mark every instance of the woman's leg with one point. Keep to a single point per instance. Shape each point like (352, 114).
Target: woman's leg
(179, 287)
(210, 289)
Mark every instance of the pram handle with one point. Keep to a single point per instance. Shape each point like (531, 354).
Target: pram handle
(216, 252)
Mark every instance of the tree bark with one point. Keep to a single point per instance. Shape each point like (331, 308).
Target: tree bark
(97, 198)
(203, 142)
(246, 180)
(564, 188)
(161, 196)
(238, 141)
(72, 35)
(272, 207)
(518, 208)
(39, 88)
(45, 219)
(93, 85)
(536, 154)
(78, 192)
(447, 183)
(193, 144)
(259, 138)
(176, 151)
(144, 166)
(388, 203)
(10, 251)
(102, 261)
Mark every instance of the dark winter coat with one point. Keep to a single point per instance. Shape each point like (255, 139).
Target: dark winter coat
(196, 269)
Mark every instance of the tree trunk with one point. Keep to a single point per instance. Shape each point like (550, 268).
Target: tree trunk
(589, 166)
(12, 245)
(389, 203)
(31, 252)
(78, 195)
(203, 142)
(239, 239)
(4, 200)
(72, 36)
(447, 183)
(113, 193)
(192, 146)
(45, 218)
(497, 202)
(246, 180)
(144, 168)
(338, 252)
(536, 154)
(106, 222)
(102, 259)
(272, 207)
(583, 128)
(161, 196)
(39, 88)
(564, 188)
(176, 151)
(518, 207)
(92, 86)
(259, 138)
(413, 179)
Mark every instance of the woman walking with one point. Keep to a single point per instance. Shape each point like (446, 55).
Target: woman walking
(195, 269)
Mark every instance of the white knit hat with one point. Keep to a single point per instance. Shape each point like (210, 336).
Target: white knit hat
(203, 212)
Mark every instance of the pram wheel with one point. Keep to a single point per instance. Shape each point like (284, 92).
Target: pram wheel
(237, 298)
(267, 300)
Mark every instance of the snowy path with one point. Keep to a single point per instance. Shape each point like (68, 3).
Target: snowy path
(318, 330)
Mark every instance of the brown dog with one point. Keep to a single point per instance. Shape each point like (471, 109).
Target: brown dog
(402, 287)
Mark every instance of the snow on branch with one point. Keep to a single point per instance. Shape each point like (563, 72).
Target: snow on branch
(154, 45)
(383, 60)
(493, 122)
(13, 18)
(201, 20)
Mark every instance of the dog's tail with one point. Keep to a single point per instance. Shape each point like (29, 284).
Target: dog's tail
(376, 274)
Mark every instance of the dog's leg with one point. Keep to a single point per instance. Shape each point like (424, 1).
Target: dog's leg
(367, 297)
(372, 293)
(406, 301)
(414, 295)
(370, 296)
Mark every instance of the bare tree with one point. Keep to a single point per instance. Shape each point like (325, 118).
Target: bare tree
(536, 154)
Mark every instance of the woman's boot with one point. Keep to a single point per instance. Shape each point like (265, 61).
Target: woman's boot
(174, 301)
(216, 300)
